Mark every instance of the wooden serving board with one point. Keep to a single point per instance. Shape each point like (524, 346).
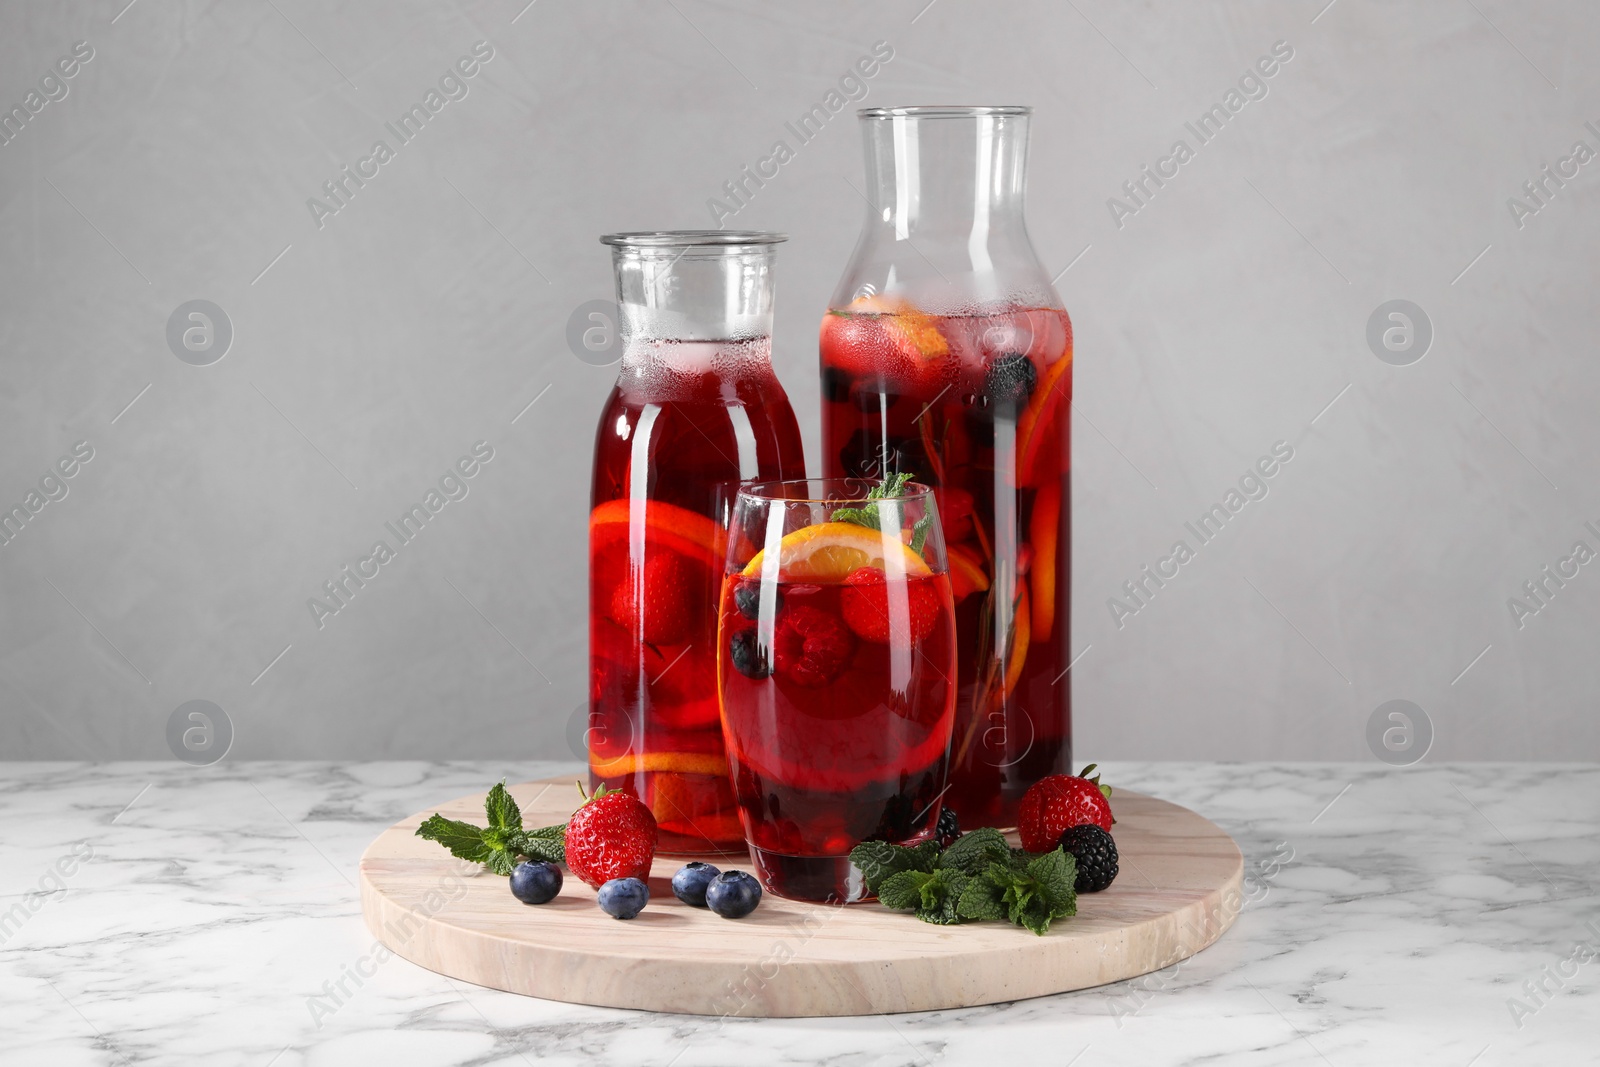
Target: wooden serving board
(1178, 890)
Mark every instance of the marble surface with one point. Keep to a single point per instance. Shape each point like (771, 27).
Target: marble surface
(1395, 916)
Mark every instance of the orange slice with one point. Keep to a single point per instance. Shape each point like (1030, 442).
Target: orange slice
(1044, 528)
(1019, 640)
(1036, 430)
(831, 551)
(679, 762)
(679, 529)
(917, 331)
(967, 575)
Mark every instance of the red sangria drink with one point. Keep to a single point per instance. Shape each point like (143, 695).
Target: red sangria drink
(696, 408)
(836, 669)
(983, 417)
(947, 354)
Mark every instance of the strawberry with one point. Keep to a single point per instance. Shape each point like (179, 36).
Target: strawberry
(1060, 802)
(865, 604)
(612, 835)
(672, 587)
(811, 647)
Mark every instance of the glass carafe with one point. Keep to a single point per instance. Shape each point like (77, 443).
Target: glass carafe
(696, 408)
(947, 354)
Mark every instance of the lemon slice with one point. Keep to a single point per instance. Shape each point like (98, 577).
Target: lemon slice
(830, 551)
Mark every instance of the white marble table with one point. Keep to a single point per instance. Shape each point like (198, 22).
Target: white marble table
(215, 918)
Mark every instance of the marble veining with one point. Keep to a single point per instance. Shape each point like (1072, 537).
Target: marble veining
(156, 913)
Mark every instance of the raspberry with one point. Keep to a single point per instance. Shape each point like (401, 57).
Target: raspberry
(865, 603)
(812, 647)
(672, 588)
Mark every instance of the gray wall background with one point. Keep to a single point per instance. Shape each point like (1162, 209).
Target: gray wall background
(1227, 314)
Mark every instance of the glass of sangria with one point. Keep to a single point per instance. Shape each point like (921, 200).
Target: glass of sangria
(696, 408)
(947, 352)
(836, 672)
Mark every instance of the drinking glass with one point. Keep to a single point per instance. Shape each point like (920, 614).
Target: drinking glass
(836, 675)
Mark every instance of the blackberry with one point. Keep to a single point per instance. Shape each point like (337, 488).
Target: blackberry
(1009, 381)
(948, 828)
(835, 385)
(1096, 854)
(746, 655)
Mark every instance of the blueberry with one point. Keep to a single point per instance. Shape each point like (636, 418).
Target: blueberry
(747, 657)
(623, 898)
(1009, 381)
(733, 894)
(535, 882)
(689, 884)
(747, 598)
(835, 384)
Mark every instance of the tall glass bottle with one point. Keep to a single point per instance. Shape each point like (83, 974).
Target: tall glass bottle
(696, 407)
(947, 353)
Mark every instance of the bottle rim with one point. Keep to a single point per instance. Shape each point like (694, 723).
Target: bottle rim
(943, 111)
(692, 238)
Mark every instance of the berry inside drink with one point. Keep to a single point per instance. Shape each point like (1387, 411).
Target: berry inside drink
(977, 405)
(684, 419)
(838, 703)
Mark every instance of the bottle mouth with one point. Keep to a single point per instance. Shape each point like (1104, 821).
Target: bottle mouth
(692, 238)
(942, 111)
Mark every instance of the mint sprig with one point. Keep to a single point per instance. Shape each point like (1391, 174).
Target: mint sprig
(868, 514)
(979, 877)
(1030, 896)
(503, 843)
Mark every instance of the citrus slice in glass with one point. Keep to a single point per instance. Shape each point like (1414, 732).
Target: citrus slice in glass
(830, 551)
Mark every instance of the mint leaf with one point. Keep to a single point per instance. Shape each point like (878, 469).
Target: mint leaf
(941, 892)
(919, 533)
(1054, 873)
(463, 839)
(1034, 919)
(502, 809)
(972, 852)
(501, 861)
(1042, 893)
(903, 889)
(877, 860)
(982, 899)
(867, 514)
(548, 843)
(933, 895)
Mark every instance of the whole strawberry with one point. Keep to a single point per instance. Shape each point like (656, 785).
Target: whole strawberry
(666, 599)
(611, 836)
(1059, 803)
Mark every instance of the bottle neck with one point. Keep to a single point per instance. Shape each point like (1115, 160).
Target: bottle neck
(944, 228)
(693, 294)
(946, 178)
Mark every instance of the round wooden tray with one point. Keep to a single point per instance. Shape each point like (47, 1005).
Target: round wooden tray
(1178, 890)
